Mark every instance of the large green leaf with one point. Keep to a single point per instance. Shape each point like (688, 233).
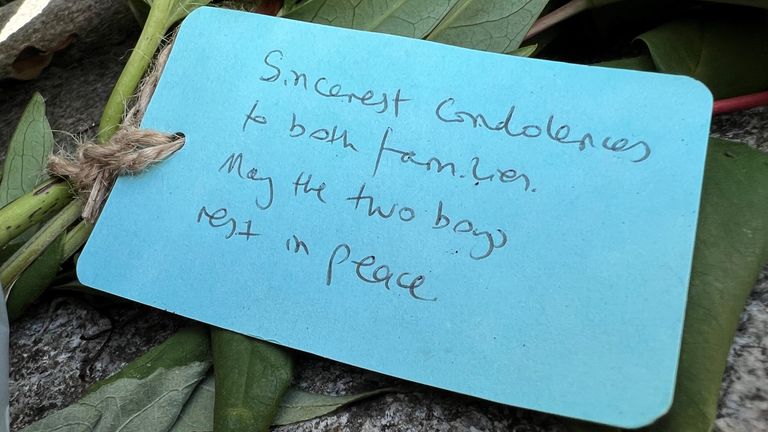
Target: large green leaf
(146, 396)
(253, 376)
(197, 414)
(295, 406)
(731, 248)
(480, 24)
(729, 55)
(35, 279)
(187, 346)
(28, 152)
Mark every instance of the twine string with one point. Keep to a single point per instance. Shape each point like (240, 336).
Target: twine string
(93, 168)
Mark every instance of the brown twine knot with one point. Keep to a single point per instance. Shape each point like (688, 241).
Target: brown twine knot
(93, 168)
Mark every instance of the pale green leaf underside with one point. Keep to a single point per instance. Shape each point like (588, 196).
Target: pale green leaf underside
(151, 404)
(488, 25)
(28, 152)
(296, 406)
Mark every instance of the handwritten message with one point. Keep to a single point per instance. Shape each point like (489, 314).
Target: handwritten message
(477, 222)
(393, 103)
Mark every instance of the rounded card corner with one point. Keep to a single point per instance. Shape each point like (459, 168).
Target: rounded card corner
(200, 13)
(700, 91)
(655, 411)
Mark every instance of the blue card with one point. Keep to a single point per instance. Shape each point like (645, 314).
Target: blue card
(514, 229)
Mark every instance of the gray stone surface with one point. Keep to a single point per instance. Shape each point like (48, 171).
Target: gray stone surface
(744, 395)
(67, 341)
(37, 36)
(77, 83)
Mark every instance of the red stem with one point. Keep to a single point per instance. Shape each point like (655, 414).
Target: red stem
(740, 103)
(558, 15)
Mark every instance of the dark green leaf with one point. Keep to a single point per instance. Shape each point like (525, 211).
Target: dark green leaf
(28, 152)
(252, 377)
(9, 250)
(289, 6)
(296, 406)
(729, 55)
(731, 248)
(187, 346)
(640, 63)
(140, 10)
(480, 24)
(146, 396)
(35, 279)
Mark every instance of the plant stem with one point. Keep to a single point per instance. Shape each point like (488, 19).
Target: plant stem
(573, 7)
(32, 208)
(19, 261)
(740, 103)
(151, 36)
(76, 237)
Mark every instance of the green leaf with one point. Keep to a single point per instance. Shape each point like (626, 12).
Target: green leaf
(296, 406)
(253, 376)
(146, 396)
(731, 248)
(28, 152)
(488, 25)
(35, 279)
(189, 345)
(480, 24)
(729, 55)
(524, 51)
(197, 415)
(639, 63)
(412, 18)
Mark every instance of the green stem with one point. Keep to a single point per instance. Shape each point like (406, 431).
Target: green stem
(138, 63)
(24, 257)
(75, 238)
(572, 8)
(32, 208)
(52, 195)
